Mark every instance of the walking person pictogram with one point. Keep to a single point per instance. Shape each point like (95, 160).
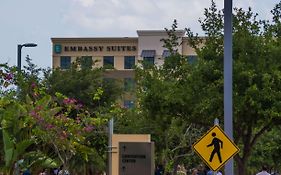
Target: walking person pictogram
(217, 143)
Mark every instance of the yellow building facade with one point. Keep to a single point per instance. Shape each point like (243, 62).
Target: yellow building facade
(120, 54)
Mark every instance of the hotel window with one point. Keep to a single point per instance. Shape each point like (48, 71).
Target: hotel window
(108, 83)
(108, 62)
(129, 84)
(129, 104)
(166, 53)
(65, 62)
(148, 62)
(192, 59)
(129, 62)
(148, 58)
(86, 62)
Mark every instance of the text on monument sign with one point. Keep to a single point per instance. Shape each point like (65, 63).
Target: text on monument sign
(136, 158)
(99, 48)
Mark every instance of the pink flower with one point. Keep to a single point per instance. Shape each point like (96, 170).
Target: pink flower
(9, 76)
(33, 85)
(38, 108)
(69, 101)
(63, 135)
(78, 120)
(49, 126)
(40, 119)
(33, 113)
(78, 106)
(88, 128)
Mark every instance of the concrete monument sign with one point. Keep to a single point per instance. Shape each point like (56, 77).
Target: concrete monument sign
(136, 158)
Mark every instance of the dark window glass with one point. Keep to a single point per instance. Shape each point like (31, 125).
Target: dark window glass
(148, 62)
(108, 62)
(129, 62)
(166, 53)
(57, 48)
(86, 62)
(129, 104)
(192, 59)
(65, 62)
(129, 84)
(108, 80)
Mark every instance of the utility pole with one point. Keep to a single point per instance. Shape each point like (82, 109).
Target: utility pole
(228, 121)
(110, 133)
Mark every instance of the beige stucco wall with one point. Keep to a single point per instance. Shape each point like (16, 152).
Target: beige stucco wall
(116, 138)
(150, 40)
(186, 48)
(96, 55)
(146, 40)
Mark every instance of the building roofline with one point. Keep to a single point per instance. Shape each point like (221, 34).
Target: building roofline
(202, 37)
(159, 32)
(54, 39)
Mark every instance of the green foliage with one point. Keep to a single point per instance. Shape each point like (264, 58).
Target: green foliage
(267, 148)
(15, 133)
(42, 127)
(27, 80)
(193, 93)
(165, 106)
(85, 85)
(256, 72)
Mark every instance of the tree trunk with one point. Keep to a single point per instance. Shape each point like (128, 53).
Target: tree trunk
(241, 167)
(242, 161)
(175, 166)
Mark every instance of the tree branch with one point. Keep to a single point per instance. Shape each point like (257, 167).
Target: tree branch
(259, 133)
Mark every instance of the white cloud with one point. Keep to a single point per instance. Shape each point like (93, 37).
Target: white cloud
(93, 18)
(126, 16)
(85, 3)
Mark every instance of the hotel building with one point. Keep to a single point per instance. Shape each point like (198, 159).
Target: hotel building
(120, 53)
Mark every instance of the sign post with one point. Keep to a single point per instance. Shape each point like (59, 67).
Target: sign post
(215, 148)
(228, 126)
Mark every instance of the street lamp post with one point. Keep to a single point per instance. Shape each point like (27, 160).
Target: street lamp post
(20, 46)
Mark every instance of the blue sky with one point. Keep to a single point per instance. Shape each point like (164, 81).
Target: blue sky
(24, 21)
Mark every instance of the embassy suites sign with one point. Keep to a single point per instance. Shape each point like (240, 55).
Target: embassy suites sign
(99, 48)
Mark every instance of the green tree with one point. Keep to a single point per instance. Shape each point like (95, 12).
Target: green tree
(98, 96)
(27, 79)
(163, 101)
(83, 84)
(267, 148)
(256, 90)
(15, 133)
(70, 131)
(193, 92)
(53, 121)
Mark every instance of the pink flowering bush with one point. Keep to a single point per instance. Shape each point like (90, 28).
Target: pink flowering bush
(7, 77)
(37, 121)
(54, 125)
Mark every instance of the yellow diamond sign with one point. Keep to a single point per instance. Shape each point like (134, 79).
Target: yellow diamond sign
(215, 148)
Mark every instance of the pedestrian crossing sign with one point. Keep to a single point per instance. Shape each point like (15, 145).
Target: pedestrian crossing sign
(215, 148)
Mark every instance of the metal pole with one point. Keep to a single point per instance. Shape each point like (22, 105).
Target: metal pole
(216, 121)
(19, 57)
(110, 133)
(228, 126)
